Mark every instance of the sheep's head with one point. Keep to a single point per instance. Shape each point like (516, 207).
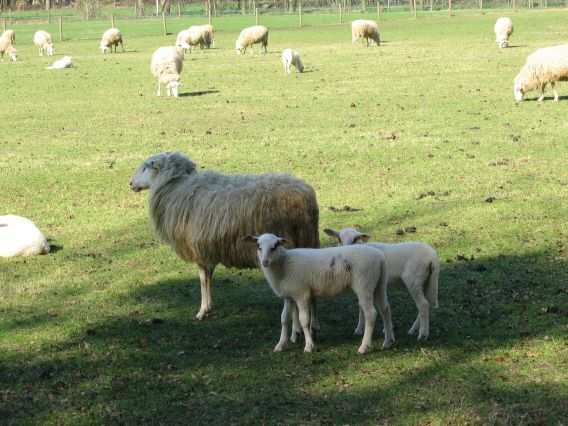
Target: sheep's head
(348, 236)
(172, 164)
(268, 247)
(503, 43)
(518, 90)
(13, 53)
(239, 47)
(172, 88)
(50, 50)
(300, 66)
(104, 47)
(181, 45)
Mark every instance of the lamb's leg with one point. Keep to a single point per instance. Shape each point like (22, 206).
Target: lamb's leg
(296, 327)
(415, 325)
(205, 278)
(366, 304)
(542, 92)
(158, 88)
(553, 85)
(304, 312)
(360, 324)
(284, 320)
(382, 302)
(422, 321)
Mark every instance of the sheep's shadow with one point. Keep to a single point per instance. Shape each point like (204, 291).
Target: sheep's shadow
(198, 93)
(516, 46)
(546, 98)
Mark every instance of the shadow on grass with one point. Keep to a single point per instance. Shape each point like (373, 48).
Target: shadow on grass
(199, 93)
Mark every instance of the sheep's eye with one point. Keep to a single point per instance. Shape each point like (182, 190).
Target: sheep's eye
(273, 248)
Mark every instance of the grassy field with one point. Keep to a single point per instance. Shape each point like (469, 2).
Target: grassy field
(422, 132)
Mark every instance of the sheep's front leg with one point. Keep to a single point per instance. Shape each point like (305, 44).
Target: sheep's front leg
(205, 278)
(541, 98)
(304, 313)
(284, 320)
(553, 85)
(382, 302)
(360, 324)
(158, 93)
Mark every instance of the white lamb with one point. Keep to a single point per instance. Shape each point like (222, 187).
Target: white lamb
(547, 65)
(166, 66)
(503, 30)
(252, 35)
(297, 275)
(111, 38)
(42, 39)
(6, 48)
(20, 237)
(414, 264)
(291, 57)
(65, 62)
(367, 29)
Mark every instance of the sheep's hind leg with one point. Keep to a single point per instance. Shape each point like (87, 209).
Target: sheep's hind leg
(541, 98)
(553, 85)
(369, 311)
(158, 93)
(205, 278)
(360, 324)
(284, 320)
(423, 320)
(304, 312)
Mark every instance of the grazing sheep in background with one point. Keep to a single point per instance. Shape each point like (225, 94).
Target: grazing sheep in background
(414, 264)
(203, 216)
(297, 275)
(7, 48)
(367, 29)
(250, 36)
(20, 237)
(208, 34)
(166, 66)
(111, 37)
(503, 29)
(547, 65)
(42, 39)
(10, 34)
(291, 57)
(65, 62)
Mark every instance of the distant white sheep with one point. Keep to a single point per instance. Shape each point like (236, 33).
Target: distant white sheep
(414, 264)
(166, 66)
(11, 34)
(503, 30)
(367, 29)
(42, 39)
(297, 275)
(65, 62)
(20, 237)
(291, 57)
(208, 34)
(547, 65)
(6, 48)
(111, 38)
(252, 35)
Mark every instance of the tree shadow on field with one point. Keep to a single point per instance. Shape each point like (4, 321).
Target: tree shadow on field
(198, 93)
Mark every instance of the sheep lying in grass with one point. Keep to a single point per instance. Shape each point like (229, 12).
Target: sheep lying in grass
(367, 29)
(547, 65)
(414, 264)
(20, 237)
(6, 48)
(250, 36)
(297, 275)
(503, 30)
(111, 38)
(65, 62)
(291, 57)
(166, 66)
(11, 35)
(42, 39)
(204, 215)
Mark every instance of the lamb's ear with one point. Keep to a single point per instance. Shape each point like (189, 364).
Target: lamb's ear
(282, 241)
(332, 233)
(362, 238)
(250, 239)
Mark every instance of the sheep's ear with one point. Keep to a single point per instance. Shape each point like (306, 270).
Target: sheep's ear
(362, 238)
(282, 241)
(154, 164)
(250, 239)
(332, 233)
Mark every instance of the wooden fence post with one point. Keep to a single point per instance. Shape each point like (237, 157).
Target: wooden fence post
(209, 16)
(179, 9)
(256, 15)
(4, 24)
(111, 20)
(378, 9)
(450, 7)
(340, 14)
(164, 26)
(300, 12)
(61, 28)
(414, 7)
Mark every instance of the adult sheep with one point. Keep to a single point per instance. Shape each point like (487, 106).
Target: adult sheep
(547, 65)
(111, 38)
(503, 30)
(367, 29)
(166, 66)
(42, 39)
(204, 216)
(252, 35)
(20, 237)
(11, 35)
(6, 48)
(207, 34)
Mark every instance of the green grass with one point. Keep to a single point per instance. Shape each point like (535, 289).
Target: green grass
(102, 330)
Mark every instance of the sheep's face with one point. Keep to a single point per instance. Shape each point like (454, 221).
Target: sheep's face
(144, 176)
(238, 48)
(183, 45)
(518, 90)
(104, 48)
(503, 44)
(13, 54)
(300, 67)
(268, 247)
(347, 236)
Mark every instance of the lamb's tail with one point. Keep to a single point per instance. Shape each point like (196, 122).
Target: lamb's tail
(431, 292)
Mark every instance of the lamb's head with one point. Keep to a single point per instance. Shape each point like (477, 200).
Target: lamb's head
(168, 165)
(269, 247)
(347, 236)
(518, 88)
(182, 45)
(12, 53)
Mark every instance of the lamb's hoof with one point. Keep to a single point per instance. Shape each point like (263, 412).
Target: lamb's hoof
(388, 343)
(411, 332)
(358, 332)
(423, 337)
(309, 348)
(279, 347)
(294, 336)
(200, 315)
(363, 349)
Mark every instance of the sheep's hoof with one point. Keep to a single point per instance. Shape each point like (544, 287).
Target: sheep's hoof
(294, 336)
(411, 331)
(388, 343)
(358, 332)
(309, 348)
(422, 337)
(363, 349)
(279, 347)
(200, 315)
